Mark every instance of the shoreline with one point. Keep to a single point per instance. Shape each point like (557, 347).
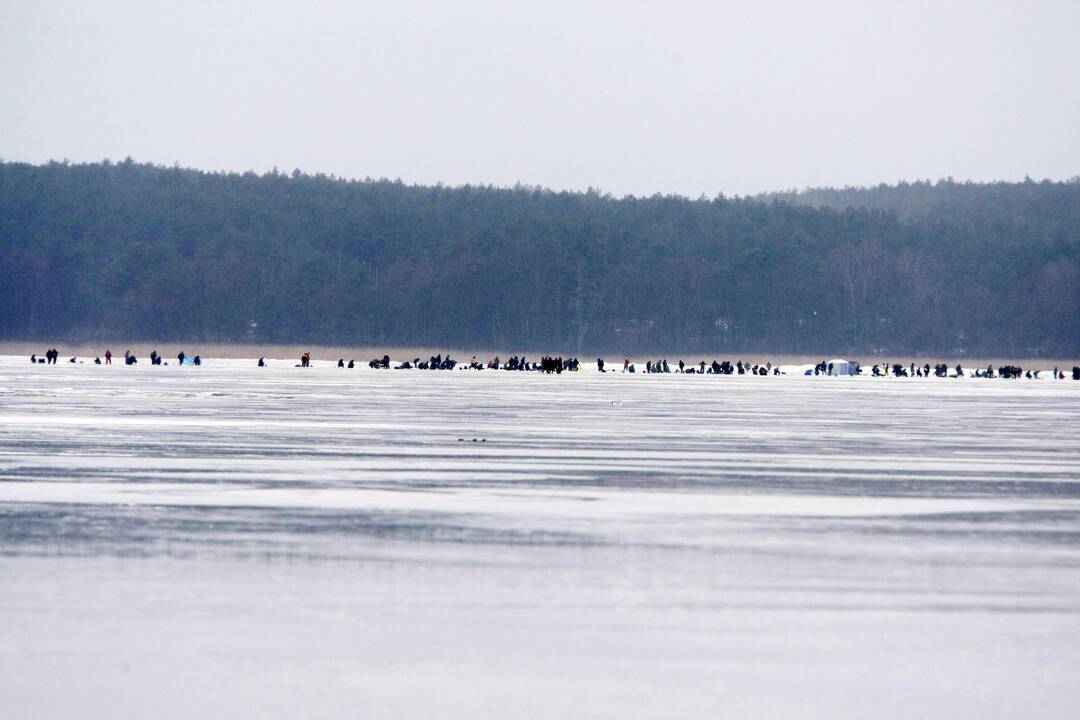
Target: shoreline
(362, 354)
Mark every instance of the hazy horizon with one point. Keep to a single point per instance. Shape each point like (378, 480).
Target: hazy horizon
(692, 99)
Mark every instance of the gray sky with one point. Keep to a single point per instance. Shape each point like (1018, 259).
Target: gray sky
(627, 97)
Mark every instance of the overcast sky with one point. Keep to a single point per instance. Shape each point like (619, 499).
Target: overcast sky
(694, 98)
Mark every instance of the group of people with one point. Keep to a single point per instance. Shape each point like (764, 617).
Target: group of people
(547, 364)
(898, 370)
(550, 364)
(941, 370)
(50, 357)
(741, 367)
(129, 358)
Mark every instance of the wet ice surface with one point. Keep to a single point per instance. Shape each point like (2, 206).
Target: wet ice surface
(239, 542)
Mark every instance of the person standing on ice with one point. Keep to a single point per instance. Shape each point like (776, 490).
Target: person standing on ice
(305, 359)
(108, 357)
(181, 357)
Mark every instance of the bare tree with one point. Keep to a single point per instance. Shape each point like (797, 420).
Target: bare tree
(858, 270)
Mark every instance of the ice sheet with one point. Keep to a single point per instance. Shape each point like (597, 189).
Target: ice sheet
(236, 541)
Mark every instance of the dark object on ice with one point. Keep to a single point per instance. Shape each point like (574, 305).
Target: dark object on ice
(1076, 373)
(1010, 372)
(384, 363)
(352, 363)
(33, 359)
(341, 362)
(305, 360)
(97, 361)
(129, 359)
(600, 364)
(262, 363)
(155, 359)
(197, 360)
(72, 360)
(108, 357)
(181, 357)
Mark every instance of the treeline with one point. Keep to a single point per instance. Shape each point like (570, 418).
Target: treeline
(139, 251)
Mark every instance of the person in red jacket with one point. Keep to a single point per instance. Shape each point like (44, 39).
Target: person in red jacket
(305, 360)
(108, 357)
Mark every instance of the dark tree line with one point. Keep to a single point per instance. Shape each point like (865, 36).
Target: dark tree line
(108, 250)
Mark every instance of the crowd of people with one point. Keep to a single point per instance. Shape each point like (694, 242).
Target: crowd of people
(50, 358)
(547, 364)
(702, 368)
(557, 365)
(1007, 372)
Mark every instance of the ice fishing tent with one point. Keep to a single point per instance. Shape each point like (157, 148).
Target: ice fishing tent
(838, 366)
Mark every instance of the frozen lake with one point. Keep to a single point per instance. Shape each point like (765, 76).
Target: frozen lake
(230, 541)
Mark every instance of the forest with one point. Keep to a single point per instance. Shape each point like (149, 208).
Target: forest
(139, 251)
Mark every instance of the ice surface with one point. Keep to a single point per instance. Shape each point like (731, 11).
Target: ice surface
(230, 541)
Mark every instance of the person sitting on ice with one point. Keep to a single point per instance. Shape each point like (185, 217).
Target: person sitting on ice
(262, 362)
